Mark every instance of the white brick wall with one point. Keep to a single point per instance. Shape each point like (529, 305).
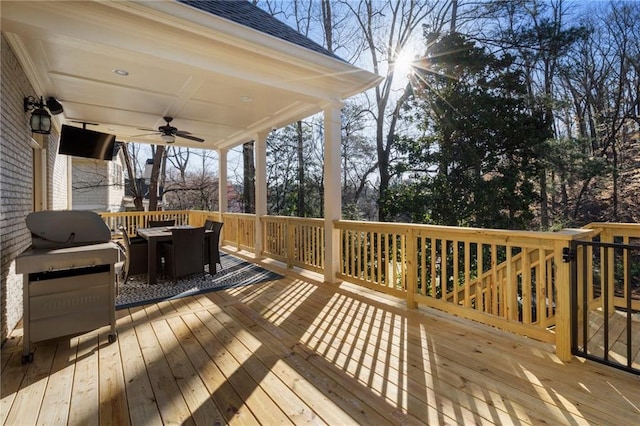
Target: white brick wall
(16, 183)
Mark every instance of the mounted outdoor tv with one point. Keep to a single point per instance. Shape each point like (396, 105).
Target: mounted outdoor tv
(86, 143)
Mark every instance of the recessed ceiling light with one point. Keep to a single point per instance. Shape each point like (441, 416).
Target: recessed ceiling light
(245, 99)
(123, 73)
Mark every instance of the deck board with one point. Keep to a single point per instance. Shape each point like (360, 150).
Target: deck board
(28, 399)
(296, 351)
(57, 397)
(84, 408)
(617, 337)
(455, 403)
(222, 391)
(10, 378)
(173, 408)
(113, 397)
(193, 390)
(140, 398)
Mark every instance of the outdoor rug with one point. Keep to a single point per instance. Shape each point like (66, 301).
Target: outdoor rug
(234, 272)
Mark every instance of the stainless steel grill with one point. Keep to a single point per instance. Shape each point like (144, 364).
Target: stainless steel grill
(68, 277)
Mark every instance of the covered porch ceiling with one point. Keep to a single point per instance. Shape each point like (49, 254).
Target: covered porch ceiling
(221, 81)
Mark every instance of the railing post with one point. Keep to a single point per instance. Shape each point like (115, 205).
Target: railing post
(563, 303)
(511, 287)
(412, 269)
(563, 290)
(607, 237)
(236, 218)
(289, 229)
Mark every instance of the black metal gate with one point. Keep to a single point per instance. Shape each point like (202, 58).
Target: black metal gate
(606, 303)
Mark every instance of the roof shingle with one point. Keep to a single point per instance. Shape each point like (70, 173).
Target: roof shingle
(245, 13)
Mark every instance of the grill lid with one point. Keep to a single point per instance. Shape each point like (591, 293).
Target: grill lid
(66, 228)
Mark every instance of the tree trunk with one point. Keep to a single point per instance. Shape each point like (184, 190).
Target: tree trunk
(249, 173)
(383, 152)
(327, 24)
(615, 181)
(454, 16)
(544, 203)
(301, 186)
(133, 184)
(155, 175)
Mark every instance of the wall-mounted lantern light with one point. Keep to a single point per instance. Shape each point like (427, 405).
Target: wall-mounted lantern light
(40, 121)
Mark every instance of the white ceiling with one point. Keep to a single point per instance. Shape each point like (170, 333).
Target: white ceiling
(220, 81)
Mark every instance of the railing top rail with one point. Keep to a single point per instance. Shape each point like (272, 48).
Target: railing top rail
(144, 213)
(455, 231)
(293, 219)
(237, 214)
(630, 229)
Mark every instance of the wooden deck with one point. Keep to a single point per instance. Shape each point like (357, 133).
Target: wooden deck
(296, 351)
(617, 334)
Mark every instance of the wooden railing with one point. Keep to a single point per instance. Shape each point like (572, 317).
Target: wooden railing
(199, 217)
(134, 220)
(620, 270)
(239, 230)
(373, 254)
(503, 278)
(296, 241)
(514, 280)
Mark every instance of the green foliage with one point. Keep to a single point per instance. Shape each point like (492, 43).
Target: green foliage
(282, 173)
(572, 158)
(477, 165)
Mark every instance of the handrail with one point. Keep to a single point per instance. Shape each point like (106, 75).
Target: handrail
(134, 220)
(493, 276)
(516, 280)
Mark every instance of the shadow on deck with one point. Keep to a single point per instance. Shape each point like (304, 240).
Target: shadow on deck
(298, 351)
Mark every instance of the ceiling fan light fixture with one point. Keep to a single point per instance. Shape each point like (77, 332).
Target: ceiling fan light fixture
(168, 138)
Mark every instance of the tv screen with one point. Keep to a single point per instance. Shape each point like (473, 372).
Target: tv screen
(86, 143)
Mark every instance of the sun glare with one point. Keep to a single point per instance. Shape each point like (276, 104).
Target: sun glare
(404, 62)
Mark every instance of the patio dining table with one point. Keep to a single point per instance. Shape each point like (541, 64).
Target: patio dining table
(163, 234)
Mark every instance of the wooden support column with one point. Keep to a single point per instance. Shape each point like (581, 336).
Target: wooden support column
(563, 291)
(332, 191)
(260, 152)
(563, 302)
(222, 181)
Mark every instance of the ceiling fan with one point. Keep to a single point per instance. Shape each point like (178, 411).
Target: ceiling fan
(168, 133)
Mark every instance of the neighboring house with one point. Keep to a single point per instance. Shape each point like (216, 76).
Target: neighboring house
(128, 196)
(97, 185)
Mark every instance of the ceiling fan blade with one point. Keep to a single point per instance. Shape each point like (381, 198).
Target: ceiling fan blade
(144, 129)
(182, 132)
(188, 136)
(145, 134)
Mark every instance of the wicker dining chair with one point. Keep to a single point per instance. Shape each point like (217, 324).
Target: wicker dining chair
(184, 255)
(161, 223)
(216, 227)
(136, 252)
